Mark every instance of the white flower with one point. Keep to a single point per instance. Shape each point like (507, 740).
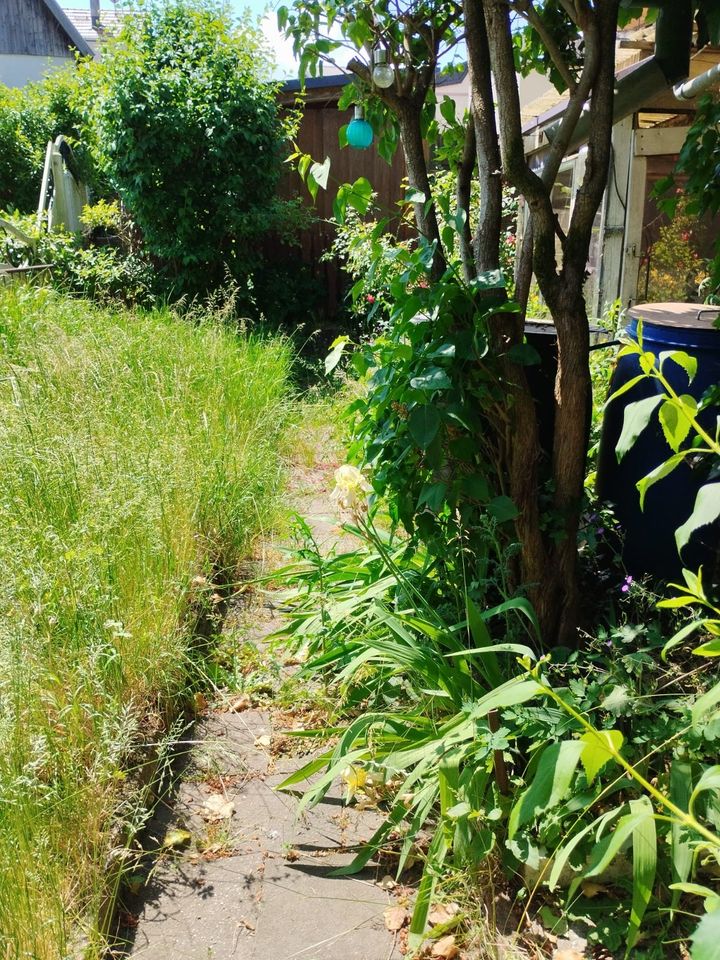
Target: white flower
(351, 488)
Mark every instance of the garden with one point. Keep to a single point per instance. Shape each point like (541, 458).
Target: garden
(517, 678)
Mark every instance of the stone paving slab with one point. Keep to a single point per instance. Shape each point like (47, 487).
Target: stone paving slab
(269, 895)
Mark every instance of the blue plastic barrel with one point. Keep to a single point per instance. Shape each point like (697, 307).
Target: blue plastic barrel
(649, 535)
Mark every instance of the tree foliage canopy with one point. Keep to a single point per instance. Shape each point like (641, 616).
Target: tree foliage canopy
(188, 131)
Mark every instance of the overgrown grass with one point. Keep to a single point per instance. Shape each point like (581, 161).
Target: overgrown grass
(138, 456)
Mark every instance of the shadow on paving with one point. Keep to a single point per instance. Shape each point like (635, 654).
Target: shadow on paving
(257, 884)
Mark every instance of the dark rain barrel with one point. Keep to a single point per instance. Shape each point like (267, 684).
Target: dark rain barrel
(649, 535)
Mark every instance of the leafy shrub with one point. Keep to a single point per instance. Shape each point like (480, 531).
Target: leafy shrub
(596, 783)
(581, 785)
(99, 272)
(675, 269)
(31, 116)
(188, 131)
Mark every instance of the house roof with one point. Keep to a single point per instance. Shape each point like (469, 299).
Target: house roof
(110, 21)
(76, 38)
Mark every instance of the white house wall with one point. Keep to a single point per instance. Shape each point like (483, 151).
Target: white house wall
(17, 69)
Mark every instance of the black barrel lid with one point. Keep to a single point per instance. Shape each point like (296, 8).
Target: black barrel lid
(688, 316)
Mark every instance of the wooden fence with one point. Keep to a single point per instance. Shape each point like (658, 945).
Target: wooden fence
(318, 136)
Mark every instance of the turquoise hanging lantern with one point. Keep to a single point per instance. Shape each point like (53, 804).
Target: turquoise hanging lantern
(359, 131)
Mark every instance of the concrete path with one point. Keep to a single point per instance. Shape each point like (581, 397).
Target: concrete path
(252, 881)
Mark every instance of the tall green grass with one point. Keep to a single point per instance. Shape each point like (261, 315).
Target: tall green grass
(137, 452)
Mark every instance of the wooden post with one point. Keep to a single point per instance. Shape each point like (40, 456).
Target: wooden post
(633, 228)
(615, 219)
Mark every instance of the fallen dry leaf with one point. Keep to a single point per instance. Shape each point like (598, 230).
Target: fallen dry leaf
(445, 948)
(591, 889)
(216, 807)
(568, 953)
(263, 741)
(292, 855)
(238, 704)
(387, 882)
(442, 913)
(395, 918)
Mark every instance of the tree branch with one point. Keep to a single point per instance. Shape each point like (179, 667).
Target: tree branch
(487, 230)
(527, 8)
(463, 191)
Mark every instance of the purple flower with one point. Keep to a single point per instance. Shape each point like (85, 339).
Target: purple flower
(600, 531)
(627, 583)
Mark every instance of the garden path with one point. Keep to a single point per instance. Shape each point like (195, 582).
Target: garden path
(261, 888)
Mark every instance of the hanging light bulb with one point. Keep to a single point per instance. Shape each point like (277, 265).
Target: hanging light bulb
(359, 132)
(383, 74)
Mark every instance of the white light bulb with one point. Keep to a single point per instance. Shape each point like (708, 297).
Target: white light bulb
(383, 74)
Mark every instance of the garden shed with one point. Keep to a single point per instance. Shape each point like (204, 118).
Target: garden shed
(651, 124)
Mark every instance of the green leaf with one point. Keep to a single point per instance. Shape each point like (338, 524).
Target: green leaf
(711, 897)
(624, 388)
(635, 419)
(683, 632)
(600, 747)
(413, 195)
(564, 853)
(335, 355)
(502, 508)
(657, 474)
(447, 110)
(709, 649)
(360, 195)
(483, 640)
(550, 785)
(432, 496)
(340, 203)
(423, 424)
(706, 938)
(517, 648)
(676, 416)
(704, 704)
(522, 605)
(359, 32)
(644, 841)
(320, 173)
(437, 852)
(682, 359)
(524, 354)
(682, 854)
(434, 379)
(490, 280)
(605, 852)
(710, 780)
(706, 510)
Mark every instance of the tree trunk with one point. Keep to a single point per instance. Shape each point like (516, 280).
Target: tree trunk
(409, 116)
(572, 398)
(463, 193)
(482, 103)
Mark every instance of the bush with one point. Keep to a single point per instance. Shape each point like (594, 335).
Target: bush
(189, 134)
(31, 116)
(101, 273)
